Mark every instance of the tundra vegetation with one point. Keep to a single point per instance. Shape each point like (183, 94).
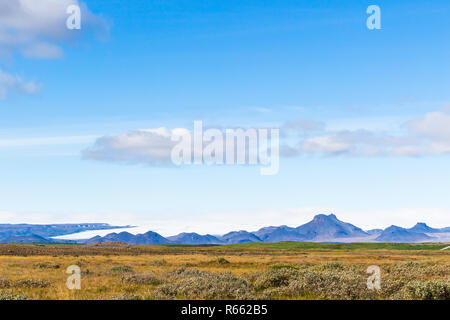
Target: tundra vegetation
(288, 270)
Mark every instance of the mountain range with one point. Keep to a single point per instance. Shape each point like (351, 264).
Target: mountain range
(28, 233)
(398, 234)
(322, 228)
(149, 237)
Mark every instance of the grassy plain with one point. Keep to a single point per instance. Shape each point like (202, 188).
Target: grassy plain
(286, 270)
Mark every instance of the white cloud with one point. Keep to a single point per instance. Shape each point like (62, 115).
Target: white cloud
(9, 82)
(43, 50)
(325, 144)
(37, 28)
(302, 126)
(154, 147)
(426, 135)
(148, 146)
(434, 125)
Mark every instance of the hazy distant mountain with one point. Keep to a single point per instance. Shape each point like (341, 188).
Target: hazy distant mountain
(121, 237)
(321, 228)
(49, 230)
(324, 227)
(239, 237)
(423, 228)
(194, 238)
(398, 234)
(277, 234)
(32, 238)
(374, 231)
(149, 237)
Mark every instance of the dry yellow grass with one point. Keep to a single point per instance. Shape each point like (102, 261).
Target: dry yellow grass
(104, 273)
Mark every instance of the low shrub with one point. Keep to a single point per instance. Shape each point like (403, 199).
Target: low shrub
(26, 283)
(5, 283)
(30, 283)
(321, 284)
(284, 266)
(8, 295)
(148, 278)
(122, 269)
(222, 260)
(159, 262)
(408, 270)
(183, 273)
(331, 266)
(207, 286)
(46, 265)
(427, 290)
(276, 278)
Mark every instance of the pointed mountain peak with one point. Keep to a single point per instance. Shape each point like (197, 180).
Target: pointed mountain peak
(393, 228)
(423, 227)
(329, 227)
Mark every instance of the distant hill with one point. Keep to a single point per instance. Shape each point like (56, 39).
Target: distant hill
(374, 231)
(322, 227)
(423, 228)
(328, 227)
(149, 237)
(239, 237)
(194, 238)
(32, 238)
(277, 234)
(49, 230)
(398, 234)
(183, 238)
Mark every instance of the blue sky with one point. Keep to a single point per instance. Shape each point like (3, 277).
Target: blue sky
(154, 64)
